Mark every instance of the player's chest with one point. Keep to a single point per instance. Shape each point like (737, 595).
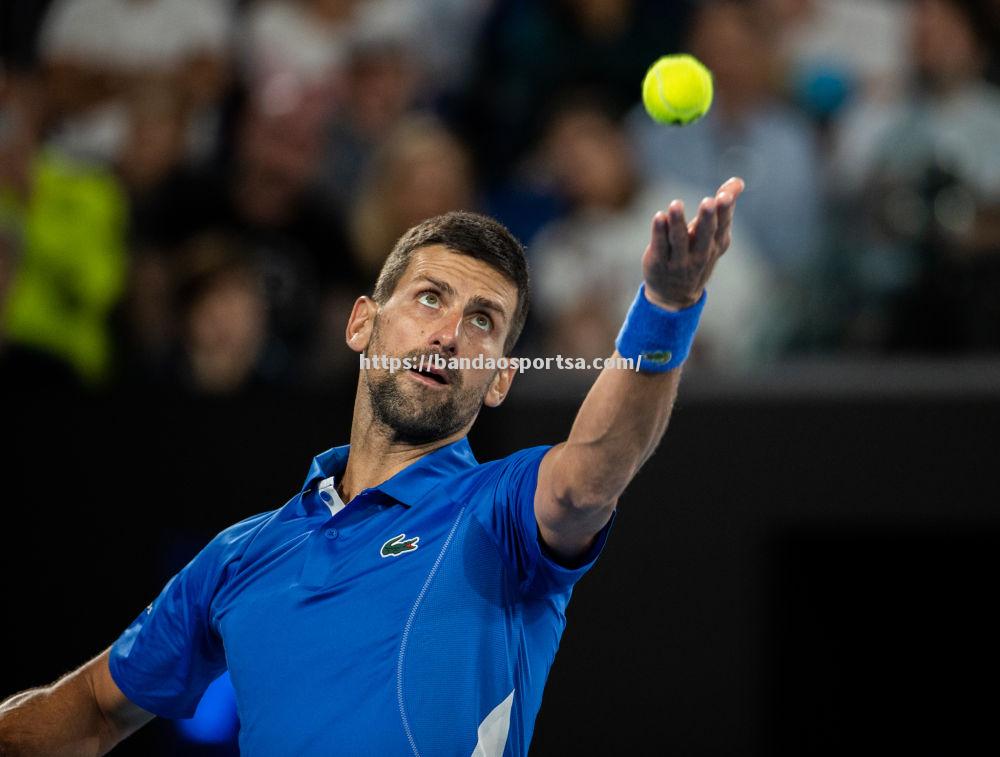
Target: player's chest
(366, 562)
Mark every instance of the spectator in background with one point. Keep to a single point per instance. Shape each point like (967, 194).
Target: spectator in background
(223, 312)
(104, 59)
(74, 263)
(455, 25)
(266, 197)
(23, 369)
(919, 186)
(20, 106)
(384, 79)
(291, 50)
(584, 264)
(747, 132)
(531, 51)
(421, 170)
(305, 38)
(834, 50)
(124, 95)
(147, 327)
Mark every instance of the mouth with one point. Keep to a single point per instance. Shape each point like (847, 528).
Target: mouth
(430, 376)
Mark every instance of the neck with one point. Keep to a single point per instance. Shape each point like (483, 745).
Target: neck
(376, 455)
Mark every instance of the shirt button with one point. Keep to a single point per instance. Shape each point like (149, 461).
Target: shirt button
(332, 533)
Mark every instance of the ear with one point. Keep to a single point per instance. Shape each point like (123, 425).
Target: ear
(360, 323)
(500, 386)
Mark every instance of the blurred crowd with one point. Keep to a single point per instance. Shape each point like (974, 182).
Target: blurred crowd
(192, 192)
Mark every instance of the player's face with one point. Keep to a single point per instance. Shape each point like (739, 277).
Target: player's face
(446, 305)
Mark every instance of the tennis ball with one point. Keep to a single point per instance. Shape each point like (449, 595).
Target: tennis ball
(677, 90)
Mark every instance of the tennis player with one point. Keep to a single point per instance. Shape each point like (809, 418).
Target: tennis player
(409, 599)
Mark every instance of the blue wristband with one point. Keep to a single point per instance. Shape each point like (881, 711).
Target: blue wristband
(657, 339)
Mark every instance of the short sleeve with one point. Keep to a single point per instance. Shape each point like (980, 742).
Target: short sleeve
(513, 524)
(168, 656)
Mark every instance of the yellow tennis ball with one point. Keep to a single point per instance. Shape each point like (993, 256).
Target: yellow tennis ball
(677, 90)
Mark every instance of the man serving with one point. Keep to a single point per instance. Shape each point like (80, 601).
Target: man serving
(408, 600)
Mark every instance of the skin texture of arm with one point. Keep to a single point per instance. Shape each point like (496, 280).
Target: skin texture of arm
(83, 713)
(625, 414)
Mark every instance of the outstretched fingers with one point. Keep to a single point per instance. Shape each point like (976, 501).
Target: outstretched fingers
(726, 204)
(704, 227)
(678, 230)
(733, 186)
(660, 241)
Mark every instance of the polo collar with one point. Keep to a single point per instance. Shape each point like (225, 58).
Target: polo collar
(409, 485)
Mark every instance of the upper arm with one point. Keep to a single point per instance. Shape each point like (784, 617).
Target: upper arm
(173, 650)
(538, 562)
(122, 716)
(566, 529)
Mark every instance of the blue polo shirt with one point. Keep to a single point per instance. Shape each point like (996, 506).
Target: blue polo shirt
(422, 618)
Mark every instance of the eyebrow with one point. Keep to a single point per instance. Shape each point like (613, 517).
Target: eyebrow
(477, 300)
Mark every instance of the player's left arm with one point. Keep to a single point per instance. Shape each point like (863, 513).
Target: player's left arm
(625, 414)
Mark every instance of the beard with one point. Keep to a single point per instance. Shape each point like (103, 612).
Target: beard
(415, 415)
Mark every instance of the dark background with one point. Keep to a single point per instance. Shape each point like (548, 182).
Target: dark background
(805, 567)
(793, 572)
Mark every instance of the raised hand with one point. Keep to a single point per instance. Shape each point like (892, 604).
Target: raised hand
(680, 257)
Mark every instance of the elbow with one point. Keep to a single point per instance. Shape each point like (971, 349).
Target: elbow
(583, 499)
(591, 489)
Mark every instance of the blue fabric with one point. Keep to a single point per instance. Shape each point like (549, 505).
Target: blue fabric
(334, 648)
(659, 339)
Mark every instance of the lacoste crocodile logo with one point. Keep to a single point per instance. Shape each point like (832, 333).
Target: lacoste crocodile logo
(399, 545)
(658, 357)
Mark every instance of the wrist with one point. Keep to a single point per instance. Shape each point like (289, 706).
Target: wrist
(669, 305)
(657, 338)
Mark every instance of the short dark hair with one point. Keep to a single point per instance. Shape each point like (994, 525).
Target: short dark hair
(466, 233)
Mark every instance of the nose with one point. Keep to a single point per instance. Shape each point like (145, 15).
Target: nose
(447, 331)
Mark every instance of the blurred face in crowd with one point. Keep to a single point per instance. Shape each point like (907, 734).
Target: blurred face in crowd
(730, 39)
(444, 304)
(429, 175)
(383, 84)
(590, 159)
(945, 44)
(226, 330)
(278, 158)
(155, 142)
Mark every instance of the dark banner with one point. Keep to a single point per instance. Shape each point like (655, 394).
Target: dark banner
(786, 577)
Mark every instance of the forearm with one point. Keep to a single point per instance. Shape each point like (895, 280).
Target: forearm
(61, 719)
(616, 430)
(626, 412)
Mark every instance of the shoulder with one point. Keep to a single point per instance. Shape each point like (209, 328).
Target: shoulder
(233, 541)
(498, 478)
(493, 466)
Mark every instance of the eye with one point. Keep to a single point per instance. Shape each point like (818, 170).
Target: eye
(481, 321)
(429, 299)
